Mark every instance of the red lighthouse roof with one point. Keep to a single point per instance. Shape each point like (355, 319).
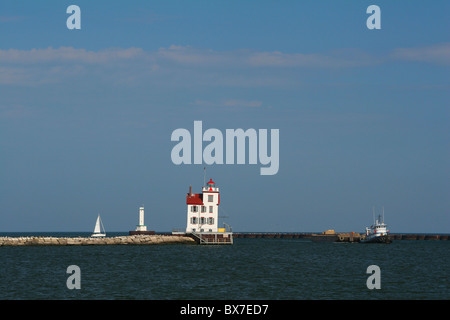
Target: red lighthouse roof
(195, 199)
(210, 181)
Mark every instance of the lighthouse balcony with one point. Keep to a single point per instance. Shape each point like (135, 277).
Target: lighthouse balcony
(210, 189)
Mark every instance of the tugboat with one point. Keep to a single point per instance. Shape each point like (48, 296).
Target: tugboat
(377, 233)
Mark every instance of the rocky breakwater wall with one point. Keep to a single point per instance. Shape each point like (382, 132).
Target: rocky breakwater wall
(84, 241)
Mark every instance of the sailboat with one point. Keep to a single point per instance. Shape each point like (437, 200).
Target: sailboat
(97, 229)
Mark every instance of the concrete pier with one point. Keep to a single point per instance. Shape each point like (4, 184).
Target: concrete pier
(354, 236)
(167, 238)
(82, 241)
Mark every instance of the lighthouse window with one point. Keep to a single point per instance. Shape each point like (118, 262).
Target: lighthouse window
(194, 220)
(203, 209)
(194, 209)
(210, 220)
(210, 209)
(210, 198)
(202, 220)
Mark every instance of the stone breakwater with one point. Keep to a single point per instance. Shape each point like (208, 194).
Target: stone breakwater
(81, 241)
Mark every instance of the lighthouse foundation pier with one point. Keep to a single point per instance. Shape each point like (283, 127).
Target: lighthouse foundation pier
(211, 237)
(146, 232)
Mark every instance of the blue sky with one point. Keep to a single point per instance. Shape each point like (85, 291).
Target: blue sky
(86, 115)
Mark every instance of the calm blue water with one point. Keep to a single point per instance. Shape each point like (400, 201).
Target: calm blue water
(250, 269)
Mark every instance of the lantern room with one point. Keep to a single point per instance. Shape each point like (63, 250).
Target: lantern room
(210, 186)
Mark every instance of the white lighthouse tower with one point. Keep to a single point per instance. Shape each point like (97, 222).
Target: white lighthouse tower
(141, 226)
(203, 209)
(203, 216)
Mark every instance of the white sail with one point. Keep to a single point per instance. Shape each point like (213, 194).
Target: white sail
(97, 225)
(98, 228)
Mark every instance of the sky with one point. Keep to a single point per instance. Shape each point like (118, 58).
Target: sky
(86, 116)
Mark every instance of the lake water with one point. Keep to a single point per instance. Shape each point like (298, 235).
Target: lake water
(262, 269)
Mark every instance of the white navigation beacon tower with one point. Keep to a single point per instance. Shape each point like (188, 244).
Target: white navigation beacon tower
(141, 226)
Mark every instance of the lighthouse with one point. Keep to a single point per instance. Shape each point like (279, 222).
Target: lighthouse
(141, 226)
(203, 216)
(203, 209)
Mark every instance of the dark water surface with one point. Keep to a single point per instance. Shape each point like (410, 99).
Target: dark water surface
(249, 269)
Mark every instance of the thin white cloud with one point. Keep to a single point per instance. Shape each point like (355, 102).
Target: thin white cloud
(69, 54)
(186, 55)
(189, 56)
(6, 19)
(243, 103)
(228, 103)
(279, 59)
(185, 65)
(53, 65)
(14, 111)
(436, 54)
